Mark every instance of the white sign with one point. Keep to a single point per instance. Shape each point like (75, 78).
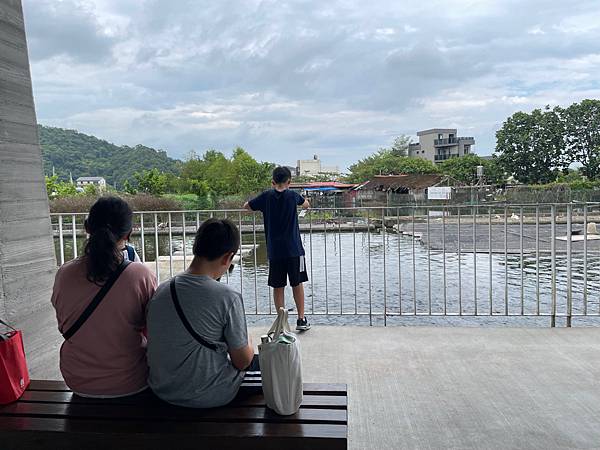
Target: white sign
(439, 193)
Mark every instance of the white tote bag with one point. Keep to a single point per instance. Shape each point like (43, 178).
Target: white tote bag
(281, 367)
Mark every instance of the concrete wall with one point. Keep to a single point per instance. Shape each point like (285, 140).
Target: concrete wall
(309, 166)
(427, 146)
(27, 260)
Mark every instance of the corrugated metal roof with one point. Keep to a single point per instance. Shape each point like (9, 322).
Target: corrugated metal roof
(317, 184)
(403, 182)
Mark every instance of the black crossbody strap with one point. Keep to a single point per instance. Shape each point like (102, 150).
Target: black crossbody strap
(96, 301)
(184, 320)
(6, 325)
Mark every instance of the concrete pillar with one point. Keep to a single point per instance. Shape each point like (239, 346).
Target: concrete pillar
(27, 259)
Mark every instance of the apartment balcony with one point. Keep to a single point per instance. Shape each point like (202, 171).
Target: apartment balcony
(444, 157)
(453, 141)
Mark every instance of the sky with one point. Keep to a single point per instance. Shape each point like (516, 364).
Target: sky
(289, 79)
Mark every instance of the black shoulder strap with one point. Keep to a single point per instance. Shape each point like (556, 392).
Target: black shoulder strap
(6, 325)
(184, 320)
(96, 301)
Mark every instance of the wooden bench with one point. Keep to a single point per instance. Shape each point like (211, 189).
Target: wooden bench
(50, 416)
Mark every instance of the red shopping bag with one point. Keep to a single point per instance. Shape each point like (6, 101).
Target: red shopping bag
(14, 377)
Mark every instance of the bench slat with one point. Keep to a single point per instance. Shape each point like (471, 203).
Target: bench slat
(331, 389)
(197, 428)
(150, 400)
(50, 416)
(127, 412)
(73, 434)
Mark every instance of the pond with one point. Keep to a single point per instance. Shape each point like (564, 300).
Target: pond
(372, 273)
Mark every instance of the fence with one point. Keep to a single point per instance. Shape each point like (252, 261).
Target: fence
(381, 264)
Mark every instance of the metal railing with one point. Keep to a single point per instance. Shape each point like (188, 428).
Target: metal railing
(452, 140)
(530, 261)
(445, 156)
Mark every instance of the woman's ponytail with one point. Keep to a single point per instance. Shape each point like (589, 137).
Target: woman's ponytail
(109, 221)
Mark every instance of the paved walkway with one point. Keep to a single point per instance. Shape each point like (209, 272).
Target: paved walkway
(459, 388)
(462, 388)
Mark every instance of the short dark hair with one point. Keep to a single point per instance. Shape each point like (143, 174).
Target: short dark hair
(281, 175)
(215, 238)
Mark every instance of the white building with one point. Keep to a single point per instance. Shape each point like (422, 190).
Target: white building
(440, 144)
(312, 167)
(99, 182)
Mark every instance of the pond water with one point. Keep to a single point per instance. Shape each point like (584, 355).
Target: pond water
(361, 274)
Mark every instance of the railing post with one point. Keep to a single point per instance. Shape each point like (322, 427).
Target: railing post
(383, 236)
(369, 265)
(553, 264)
(61, 239)
(569, 267)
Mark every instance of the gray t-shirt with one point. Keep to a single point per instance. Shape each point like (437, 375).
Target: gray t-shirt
(183, 371)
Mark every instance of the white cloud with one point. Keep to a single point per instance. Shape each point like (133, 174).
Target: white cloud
(580, 24)
(536, 30)
(286, 79)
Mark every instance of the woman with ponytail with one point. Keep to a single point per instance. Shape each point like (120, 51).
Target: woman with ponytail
(104, 352)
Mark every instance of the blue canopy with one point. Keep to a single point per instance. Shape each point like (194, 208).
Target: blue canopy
(322, 189)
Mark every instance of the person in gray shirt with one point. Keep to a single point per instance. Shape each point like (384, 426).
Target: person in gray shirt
(200, 363)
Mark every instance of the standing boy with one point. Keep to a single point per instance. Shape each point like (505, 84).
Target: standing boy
(284, 246)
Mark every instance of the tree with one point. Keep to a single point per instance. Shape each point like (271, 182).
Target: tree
(582, 124)
(531, 147)
(248, 175)
(384, 162)
(213, 168)
(151, 181)
(90, 190)
(128, 187)
(199, 187)
(465, 169)
(400, 145)
(240, 174)
(59, 189)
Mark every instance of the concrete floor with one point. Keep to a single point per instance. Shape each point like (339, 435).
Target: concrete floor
(458, 388)
(461, 388)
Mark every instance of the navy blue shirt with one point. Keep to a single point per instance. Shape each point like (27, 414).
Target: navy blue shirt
(281, 222)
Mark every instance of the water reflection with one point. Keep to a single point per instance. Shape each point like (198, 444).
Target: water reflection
(374, 272)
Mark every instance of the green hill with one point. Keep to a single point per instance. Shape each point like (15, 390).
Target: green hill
(87, 156)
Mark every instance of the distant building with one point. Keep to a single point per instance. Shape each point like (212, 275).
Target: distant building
(415, 185)
(312, 167)
(99, 182)
(440, 144)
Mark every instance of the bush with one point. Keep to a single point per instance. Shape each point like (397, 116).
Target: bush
(146, 202)
(232, 201)
(191, 201)
(138, 202)
(72, 204)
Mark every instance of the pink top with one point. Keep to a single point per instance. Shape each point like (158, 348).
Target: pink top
(107, 356)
